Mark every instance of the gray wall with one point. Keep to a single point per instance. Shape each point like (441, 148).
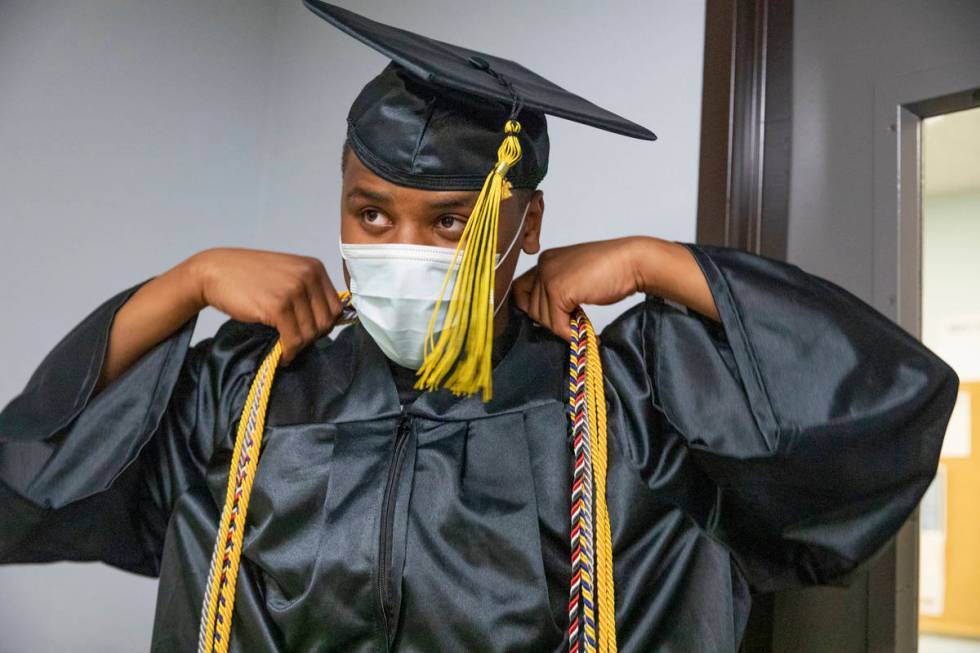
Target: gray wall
(134, 133)
(844, 52)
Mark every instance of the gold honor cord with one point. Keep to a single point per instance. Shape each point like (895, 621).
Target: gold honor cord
(219, 599)
(596, 410)
(219, 596)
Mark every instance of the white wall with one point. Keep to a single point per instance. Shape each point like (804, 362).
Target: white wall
(951, 273)
(134, 133)
(130, 136)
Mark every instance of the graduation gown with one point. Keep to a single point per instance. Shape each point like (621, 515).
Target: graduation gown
(780, 447)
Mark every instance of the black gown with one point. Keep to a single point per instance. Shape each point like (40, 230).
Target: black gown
(779, 448)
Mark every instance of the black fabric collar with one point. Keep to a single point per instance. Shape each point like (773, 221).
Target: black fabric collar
(531, 371)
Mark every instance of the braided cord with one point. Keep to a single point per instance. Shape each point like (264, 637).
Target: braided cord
(581, 604)
(219, 597)
(219, 594)
(587, 421)
(592, 576)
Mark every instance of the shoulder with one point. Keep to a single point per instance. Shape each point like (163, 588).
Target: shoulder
(641, 336)
(237, 347)
(629, 330)
(318, 375)
(629, 320)
(234, 332)
(240, 347)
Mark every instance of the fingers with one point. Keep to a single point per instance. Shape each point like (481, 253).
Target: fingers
(313, 310)
(330, 293)
(322, 318)
(534, 295)
(560, 321)
(534, 301)
(521, 290)
(543, 313)
(289, 333)
(304, 317)
(323, 300)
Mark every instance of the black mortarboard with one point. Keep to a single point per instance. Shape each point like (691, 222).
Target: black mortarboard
(426, 121)
(433, 119)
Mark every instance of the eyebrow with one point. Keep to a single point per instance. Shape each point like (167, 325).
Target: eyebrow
(381, 197)
(367, 194)
(451, 203)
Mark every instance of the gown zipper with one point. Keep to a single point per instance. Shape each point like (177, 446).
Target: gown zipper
(388, 520)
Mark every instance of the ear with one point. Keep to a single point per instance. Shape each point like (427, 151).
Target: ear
(531, 241)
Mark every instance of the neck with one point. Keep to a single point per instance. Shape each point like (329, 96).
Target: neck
(502, 319)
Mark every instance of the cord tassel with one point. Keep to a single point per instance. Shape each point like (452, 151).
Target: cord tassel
(460, 358)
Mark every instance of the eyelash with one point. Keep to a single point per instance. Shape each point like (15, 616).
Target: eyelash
(438, 221)
(454, 218)
(364, 216)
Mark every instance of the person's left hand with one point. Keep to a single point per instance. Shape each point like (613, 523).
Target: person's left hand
(600, 272)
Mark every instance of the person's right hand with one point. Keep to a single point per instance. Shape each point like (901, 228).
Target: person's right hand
(291, 293)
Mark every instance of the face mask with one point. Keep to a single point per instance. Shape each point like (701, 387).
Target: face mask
(394, 288)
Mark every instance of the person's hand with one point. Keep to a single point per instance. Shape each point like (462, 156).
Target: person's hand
(606, 271)
(291, 293)
(601, 272)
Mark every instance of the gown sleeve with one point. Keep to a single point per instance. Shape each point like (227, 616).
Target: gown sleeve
(813, 423)
(88, 478)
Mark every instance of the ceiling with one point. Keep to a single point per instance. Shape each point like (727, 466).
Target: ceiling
(951, 153)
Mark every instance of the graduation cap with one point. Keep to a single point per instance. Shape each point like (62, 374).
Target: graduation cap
(444, 117)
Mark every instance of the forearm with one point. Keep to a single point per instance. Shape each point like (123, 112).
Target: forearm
(152, 314)
(668, 269)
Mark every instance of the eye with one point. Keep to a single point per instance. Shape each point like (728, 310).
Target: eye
(450, 226)
(375, 218)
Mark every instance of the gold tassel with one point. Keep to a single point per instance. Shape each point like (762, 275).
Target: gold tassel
(460, 360)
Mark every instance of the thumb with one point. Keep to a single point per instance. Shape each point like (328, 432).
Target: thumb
(521, 289)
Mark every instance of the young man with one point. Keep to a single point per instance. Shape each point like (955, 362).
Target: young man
(766, 428)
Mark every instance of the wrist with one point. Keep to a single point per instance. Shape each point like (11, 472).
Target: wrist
(191, 278)
(648, 255)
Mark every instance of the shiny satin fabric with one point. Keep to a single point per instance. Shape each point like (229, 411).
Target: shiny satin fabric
(780, 448)
(426, 136)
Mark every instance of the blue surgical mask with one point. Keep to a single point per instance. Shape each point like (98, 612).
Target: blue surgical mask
(395, 287)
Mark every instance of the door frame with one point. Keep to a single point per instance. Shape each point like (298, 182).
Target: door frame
(746, 125)
(901, 104)
(743, 200)
(745, 150)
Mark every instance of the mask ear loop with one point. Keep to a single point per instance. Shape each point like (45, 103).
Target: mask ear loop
(504, 258)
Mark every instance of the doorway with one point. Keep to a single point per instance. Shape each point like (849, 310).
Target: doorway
(812, 113)
(949, 518)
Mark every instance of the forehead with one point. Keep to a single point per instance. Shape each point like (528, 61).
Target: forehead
(362, 187)
(359, 182)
